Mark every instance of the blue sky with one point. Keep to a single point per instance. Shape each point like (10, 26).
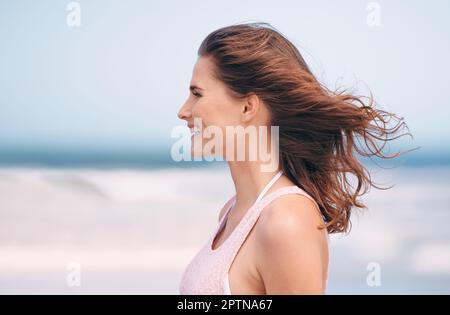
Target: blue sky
(118, 80)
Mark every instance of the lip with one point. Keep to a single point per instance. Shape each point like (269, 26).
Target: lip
(194, 130)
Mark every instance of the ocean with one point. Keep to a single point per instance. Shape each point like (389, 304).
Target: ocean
(133, 230)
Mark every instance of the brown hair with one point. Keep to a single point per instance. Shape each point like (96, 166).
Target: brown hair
(318, 128)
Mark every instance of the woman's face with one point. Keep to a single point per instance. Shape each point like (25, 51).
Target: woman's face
(209, 104)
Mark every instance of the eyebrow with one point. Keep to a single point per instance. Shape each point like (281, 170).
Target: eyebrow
(193, 87)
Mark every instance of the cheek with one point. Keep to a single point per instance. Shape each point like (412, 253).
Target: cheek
(210, 113)
(217, 111)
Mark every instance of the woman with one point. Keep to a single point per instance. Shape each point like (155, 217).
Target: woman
(272, 235)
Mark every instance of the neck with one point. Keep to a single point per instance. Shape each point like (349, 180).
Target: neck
(249, 181)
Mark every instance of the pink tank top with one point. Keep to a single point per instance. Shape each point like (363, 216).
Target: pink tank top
(207, 273)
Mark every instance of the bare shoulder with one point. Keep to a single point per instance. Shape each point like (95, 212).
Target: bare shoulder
(287, 214)
(292, 251)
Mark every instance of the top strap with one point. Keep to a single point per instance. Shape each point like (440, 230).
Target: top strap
(248, 221)
(232, 201)
(269, 184)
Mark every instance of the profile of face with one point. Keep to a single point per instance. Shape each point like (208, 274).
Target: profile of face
(210, 103)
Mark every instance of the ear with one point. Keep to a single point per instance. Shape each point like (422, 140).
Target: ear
(250, 107)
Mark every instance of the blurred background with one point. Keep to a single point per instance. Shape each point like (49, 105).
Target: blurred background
(91, 200)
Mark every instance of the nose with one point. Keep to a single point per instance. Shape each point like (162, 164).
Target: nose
(184, 112)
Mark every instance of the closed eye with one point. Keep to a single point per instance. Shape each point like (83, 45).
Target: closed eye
(196, 94)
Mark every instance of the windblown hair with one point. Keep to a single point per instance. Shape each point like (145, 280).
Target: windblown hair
(318, 128)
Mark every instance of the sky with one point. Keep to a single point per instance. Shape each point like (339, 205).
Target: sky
(119, 78)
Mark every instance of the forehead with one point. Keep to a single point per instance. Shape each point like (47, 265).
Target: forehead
(202, 75)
